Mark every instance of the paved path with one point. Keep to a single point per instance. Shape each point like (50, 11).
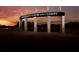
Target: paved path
(41, 41)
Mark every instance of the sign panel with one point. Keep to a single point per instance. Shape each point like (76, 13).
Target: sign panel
(43, 14)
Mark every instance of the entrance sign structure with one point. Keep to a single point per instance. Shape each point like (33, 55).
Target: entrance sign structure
(44, 14)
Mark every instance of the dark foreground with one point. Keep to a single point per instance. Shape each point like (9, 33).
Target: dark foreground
(12, 41)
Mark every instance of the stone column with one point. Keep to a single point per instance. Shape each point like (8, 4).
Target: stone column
(35, 24)
(48, 25)
(25, 24)
(63, 24)
(20, 24)
(35, 21)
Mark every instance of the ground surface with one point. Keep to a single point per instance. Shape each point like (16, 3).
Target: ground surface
(38, 42)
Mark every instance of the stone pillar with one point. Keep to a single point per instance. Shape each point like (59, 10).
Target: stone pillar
(20, 24)
(49, 25)
(63, 24)
(25, 24)
(35, 24)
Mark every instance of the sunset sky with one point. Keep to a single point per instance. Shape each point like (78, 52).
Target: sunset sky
(9, 15)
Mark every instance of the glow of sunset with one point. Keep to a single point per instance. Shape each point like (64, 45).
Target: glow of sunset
(6, 23)
(9, 15)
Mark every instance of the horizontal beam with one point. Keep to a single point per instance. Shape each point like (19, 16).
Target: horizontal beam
(44, 14)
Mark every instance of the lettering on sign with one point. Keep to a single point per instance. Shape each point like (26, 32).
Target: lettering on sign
(43, 14)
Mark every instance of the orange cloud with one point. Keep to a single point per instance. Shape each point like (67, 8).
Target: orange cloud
(6, 23)
(3, 17)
